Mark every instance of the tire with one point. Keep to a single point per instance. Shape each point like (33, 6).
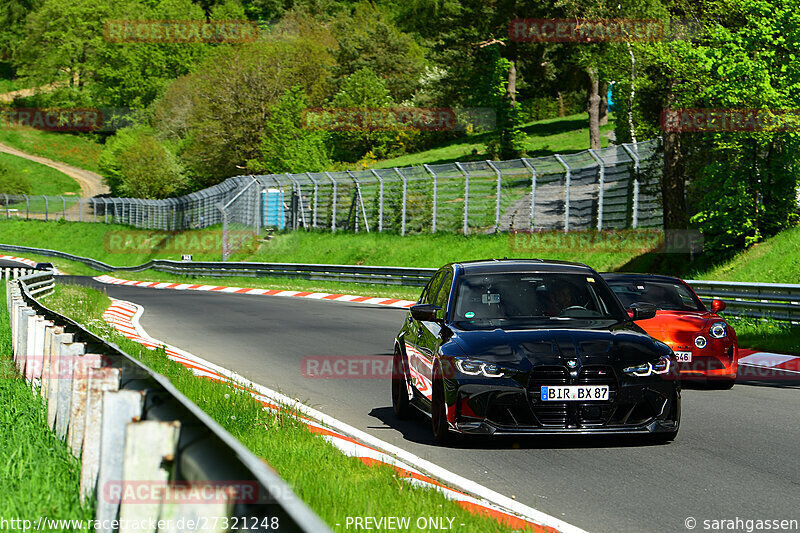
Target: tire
(400, 404)
(439, 425)
(722, 384)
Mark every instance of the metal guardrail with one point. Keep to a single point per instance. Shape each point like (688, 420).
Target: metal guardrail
(131, 427)
(754, 300)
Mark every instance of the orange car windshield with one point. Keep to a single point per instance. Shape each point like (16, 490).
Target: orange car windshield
(664, 295)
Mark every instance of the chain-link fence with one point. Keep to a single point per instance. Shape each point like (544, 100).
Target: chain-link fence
(611, 188)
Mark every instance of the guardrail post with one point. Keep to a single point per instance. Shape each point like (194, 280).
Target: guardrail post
(404, 203)
(601, 181)
(567, 178)
(67, 358)
(50, 330)
(435, 194)
(80, 391)
(56, 369)
(100, 381)
(150, 448)
(635, 157)
(497, 202)
(380, 200)
(466, 196)
(119, 408)
(530, 167)
(33, 366)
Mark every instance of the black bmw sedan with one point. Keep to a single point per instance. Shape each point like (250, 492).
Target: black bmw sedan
(499, 347)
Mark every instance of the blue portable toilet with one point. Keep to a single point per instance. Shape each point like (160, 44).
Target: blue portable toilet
(272, 211)
(611, 105)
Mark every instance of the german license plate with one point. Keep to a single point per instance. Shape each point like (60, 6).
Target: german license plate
(575, 393)
(683, 357)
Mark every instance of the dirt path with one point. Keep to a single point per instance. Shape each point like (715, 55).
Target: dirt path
(91, 183)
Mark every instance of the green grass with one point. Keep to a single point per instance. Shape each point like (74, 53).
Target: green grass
(776, 260)
(335, 487)
(80, 151)
(767, 335)
(562, 135)
(42, 179)
(40, 476)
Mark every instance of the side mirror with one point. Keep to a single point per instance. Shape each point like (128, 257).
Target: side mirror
(425, 312)
(641, 311)
(717, 305)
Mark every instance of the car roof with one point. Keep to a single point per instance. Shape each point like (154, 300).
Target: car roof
(614, 276)
(488, 266)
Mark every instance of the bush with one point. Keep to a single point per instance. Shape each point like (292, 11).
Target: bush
(13, 183)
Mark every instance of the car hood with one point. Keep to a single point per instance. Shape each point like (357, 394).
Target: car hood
(677, 328)
(524, 348)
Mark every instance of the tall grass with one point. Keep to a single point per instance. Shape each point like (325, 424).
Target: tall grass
(39, 475)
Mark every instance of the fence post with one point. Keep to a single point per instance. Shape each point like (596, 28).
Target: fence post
(533, 187)
(435, 195)
(466, 196)
(497, 203)
(333, 208)
(224, 231)
(63, 207)
(105, 210)
(46, 207)
(566, 190)
(94, 209)
(635, 157)
(380, 200)
(27, 207)
(405, 195)
(316, 191)
(601, 187)
(8, 215)
(360, 202)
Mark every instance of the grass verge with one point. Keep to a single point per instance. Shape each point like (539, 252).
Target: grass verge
(77, 150)
(335, 487)
(766, 335)
(40, 476)
(43, 180)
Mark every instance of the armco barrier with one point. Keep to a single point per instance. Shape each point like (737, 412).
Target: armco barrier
(135, 433)
(756, 300)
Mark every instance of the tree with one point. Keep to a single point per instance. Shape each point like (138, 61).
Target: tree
(367, 39)
(135, 163)
(287, 144)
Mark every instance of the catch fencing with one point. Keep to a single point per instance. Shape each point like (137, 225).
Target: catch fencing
(611, 188)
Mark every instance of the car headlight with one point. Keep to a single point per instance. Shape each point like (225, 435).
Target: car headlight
(718, 330)
(700, 341)
(478, 368)
(661, 366)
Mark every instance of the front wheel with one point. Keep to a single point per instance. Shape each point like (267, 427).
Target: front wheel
(439, 425)
(400, 404)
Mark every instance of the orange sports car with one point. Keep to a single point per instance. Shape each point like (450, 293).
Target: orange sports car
(705, 345)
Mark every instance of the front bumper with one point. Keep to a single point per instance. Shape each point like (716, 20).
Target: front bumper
(636, 405)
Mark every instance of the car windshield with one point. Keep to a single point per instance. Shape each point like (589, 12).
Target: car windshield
(521, 298)
(665, 295)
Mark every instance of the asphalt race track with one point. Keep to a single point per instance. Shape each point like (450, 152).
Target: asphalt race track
(737, 454)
